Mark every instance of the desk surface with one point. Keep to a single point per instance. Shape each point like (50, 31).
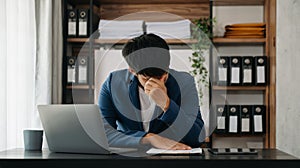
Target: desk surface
(17, 157)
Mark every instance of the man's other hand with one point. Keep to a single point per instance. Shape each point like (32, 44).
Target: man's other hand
(163, 143)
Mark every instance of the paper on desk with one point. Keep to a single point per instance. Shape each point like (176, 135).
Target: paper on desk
(165, 151)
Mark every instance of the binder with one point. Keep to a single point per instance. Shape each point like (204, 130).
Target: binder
(233, 119)
(235, 71)
(221, 111)
(83, 22)
(72, 22)
(259, 119)
(261, 70)
(71, 70)
(247, 71)
(82, 69)
(222, 71)
(246, 113)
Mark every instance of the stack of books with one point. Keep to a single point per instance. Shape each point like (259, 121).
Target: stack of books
(127, 29)
(180, 29)
(245, 30)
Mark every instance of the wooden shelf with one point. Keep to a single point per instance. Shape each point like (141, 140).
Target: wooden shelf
(83, 2)
(237, 2)
(151, 1)
(78, 40)
(237, 88)
(79, 87)
(123, 41)
(221, 40)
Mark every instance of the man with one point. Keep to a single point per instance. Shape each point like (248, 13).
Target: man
(150, 104)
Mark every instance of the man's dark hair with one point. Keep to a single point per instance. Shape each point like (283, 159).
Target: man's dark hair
(148, 41)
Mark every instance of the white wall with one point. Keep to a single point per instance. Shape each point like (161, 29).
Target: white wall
(288, 76)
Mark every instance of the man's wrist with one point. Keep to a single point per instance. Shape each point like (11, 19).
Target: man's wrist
(145, 139)
(167, 105)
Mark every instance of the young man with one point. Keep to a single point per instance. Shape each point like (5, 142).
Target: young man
(150, 104)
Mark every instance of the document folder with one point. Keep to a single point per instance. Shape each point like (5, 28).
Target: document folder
(222, 70)
(259, 119)
(235, 71)
(82, 69)
(246, 112)
(261, 70)
(233, 119)
(221, 111)
(72, 23)
(247, 71)
(71, 70)
(83, 22)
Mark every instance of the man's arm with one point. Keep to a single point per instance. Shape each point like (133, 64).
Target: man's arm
(184, 121)
(109, 112)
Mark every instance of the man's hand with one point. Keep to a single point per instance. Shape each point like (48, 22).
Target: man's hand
(157, 90)
(163, 143)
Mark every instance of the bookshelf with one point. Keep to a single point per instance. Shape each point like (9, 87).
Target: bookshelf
(268, 44)
(112, 9)
(189, 9)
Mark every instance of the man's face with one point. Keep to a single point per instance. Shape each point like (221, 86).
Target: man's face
(143, 79)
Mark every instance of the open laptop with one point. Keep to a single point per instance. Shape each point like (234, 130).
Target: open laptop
(76, 128)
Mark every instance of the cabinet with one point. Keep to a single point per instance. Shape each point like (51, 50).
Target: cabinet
(112, 9)
(263, 11)
(188, 9)
(78, 60)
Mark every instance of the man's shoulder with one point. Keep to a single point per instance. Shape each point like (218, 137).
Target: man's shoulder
(181, 75)
(120, 76)
(121, 71)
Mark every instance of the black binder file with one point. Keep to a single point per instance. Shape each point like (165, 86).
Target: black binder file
(261, 70)
(72, 23)
(247, 71)
(83, 24)
(235, 71)
(71, 72)
(222, 71)
(246, 112)
(233, 119)
(221, 111)
(259, 115)
(82, 70)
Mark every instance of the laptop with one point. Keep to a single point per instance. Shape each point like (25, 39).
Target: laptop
(76, 128)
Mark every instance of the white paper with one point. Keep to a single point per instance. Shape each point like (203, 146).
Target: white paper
(82, 74)
(71, 75)
(165, 151)
(260, 74)
(221, 122)
(222, 74)
(233, 124)
(245, 125)
(82, 28)
(258, 124)
(234, 150)
(247, 76)
(235, 75)
(222, 150)
(72, 28)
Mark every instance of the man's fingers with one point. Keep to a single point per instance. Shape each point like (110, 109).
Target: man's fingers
(181, 146)
(153, 83)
